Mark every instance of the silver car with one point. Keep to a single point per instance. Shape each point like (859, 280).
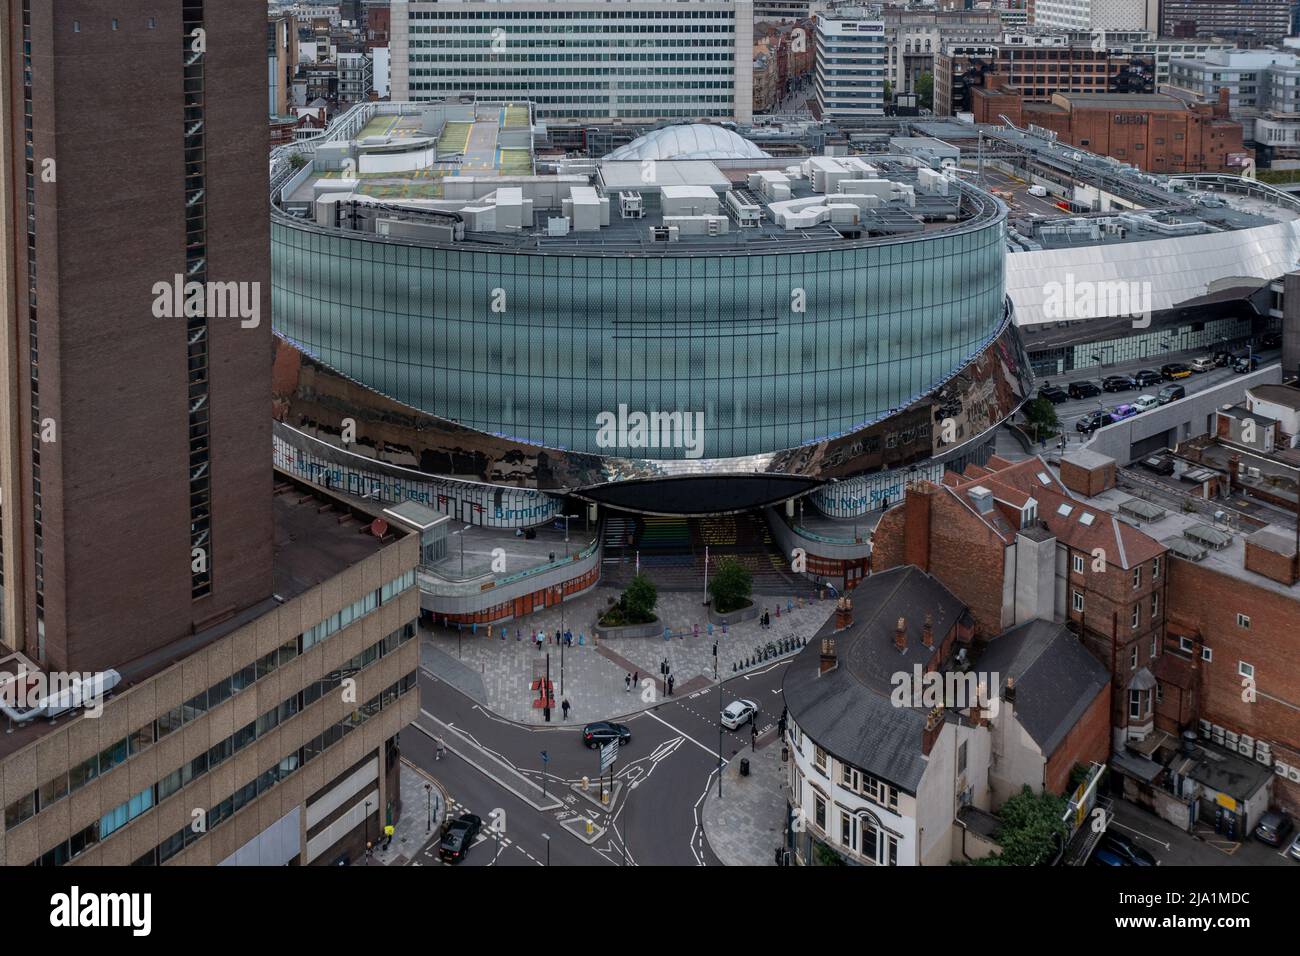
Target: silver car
(738, 712)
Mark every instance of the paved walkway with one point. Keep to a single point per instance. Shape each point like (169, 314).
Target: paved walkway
(747, 823)
(499, 673)
(419, 806)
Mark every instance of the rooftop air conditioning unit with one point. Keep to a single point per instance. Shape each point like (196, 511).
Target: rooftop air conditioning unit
(1207, 729)
(1264, 757)
(1293, 774)
(1231, 738)
(1280, 769)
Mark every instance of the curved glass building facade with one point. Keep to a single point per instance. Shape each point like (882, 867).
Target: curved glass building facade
(767, 351)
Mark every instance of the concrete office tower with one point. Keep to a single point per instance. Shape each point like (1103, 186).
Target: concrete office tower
(581, 60)
(136, 467)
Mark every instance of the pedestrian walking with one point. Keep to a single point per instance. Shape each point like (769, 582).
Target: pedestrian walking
(564, 706)
(627, 682)
(388, 836)
(636, 678)
(671, 681)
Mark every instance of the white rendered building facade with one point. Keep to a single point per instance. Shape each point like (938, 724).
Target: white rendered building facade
(1091, 14)
(851, 63)
(578, 60)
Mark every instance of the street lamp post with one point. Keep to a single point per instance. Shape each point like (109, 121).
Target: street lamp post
(428, 793)
(547, 838)
(566, 536)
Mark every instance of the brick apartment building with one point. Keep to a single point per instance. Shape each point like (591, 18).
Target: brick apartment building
(1016, 543)
(1233, 654)
(1155, 132)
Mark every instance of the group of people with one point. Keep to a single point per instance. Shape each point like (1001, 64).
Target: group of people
(541, 638)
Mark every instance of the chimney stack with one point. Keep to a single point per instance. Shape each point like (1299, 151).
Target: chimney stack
(900, 635)
(927, 631)
(828, 658)
(933, 725)
(843, 613)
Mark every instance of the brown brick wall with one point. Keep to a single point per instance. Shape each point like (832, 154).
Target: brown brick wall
(1277, 567)
(1087, 742)
(116, 510)
(1210, 602)
(1107, 594)
(1087, 482)
(962, 552)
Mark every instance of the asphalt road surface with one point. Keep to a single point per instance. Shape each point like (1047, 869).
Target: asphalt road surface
(1071, 411)
(494, 768)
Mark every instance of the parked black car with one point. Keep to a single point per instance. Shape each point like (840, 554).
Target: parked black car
(603, 731)
(1160, 464)
(1083, 389)
(1146, 377)
(1271, 340)
(1223, 357)
(1053, 393)
(1126, 849)
(1273, 828)
(458, 836)
(1092, 421)
(1170, 393)
(1118, 383)
(1245, 363)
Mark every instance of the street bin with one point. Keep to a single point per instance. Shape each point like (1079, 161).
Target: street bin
(744, 766)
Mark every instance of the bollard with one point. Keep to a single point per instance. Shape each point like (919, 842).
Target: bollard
(585, 784)
(604, 796)
(590, 826)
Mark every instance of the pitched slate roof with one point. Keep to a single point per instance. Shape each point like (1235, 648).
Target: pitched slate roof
(1056, 678)
(847, 711)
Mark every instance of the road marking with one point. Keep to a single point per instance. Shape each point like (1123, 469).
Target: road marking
(552, 803)
(1145, 836)
(707, 750)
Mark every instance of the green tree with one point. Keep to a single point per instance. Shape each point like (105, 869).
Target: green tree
(1040, 417)
(297, 161)
(889, 91)
(925, 90)
(640, 599)
(1032, 825)
(730, 586)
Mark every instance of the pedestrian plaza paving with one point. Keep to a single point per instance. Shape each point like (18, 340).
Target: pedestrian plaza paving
(747, 823)
(499, 673)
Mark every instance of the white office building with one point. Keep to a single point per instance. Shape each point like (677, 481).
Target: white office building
(579, 60)
(851, 66)
(1095, 15)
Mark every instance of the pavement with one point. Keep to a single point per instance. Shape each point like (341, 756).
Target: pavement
(499, 674)
(746, 823)
(1174, 847)
(420, 819)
